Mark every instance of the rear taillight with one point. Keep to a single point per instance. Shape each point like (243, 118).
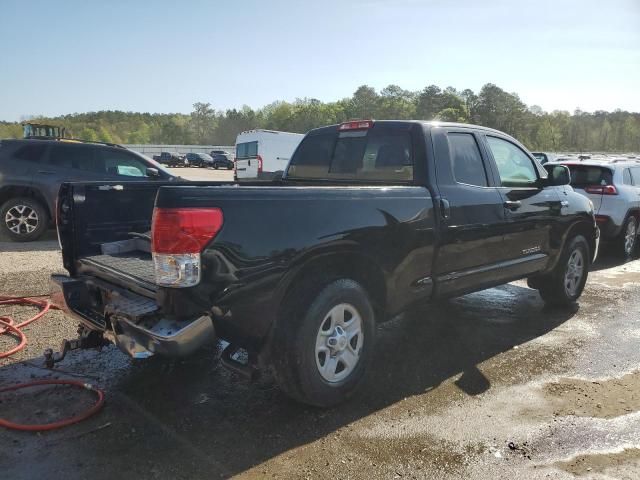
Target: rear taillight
(601, 219)
(259, 163)
(601, 189)
(178, 235)
(357, 125)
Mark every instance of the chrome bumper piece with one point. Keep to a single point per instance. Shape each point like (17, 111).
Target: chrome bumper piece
(134, 323)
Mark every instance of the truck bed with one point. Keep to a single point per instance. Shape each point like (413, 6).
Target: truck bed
(131, 265)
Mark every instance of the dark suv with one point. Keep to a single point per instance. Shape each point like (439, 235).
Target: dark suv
(199, 159)
(173, 159)
(222, 160)
(31, 172)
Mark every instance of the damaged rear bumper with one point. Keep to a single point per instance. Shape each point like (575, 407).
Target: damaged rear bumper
(133, 322)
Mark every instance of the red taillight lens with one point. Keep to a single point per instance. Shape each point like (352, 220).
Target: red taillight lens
(601, 219)
(259, 164)
(184, 230)
(357, 125)
(601, 189)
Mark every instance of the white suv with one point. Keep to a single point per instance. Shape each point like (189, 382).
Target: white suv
(614, 188)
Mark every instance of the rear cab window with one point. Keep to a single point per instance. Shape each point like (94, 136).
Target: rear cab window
(382, 152)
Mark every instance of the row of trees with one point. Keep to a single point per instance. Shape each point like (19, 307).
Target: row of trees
(491, 106)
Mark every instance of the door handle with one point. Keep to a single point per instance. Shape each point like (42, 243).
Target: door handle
(46, 172)
(512, 204)
(445, 209)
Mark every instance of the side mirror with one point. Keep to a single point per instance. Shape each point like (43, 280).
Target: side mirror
(558, 174)
(153, 172)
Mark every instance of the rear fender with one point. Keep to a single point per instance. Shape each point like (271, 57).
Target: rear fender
(584, 227)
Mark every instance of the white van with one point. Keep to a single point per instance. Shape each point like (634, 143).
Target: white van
(264, 154)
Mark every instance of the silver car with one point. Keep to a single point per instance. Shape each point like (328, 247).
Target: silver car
(613, 185)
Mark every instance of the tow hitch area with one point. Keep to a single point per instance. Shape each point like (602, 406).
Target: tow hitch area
(86, 339)
(134, 322)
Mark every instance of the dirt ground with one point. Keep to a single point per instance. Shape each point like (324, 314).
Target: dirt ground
(489, 385)
(203, 174)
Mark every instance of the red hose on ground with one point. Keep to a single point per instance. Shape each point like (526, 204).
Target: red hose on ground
(59, 424)
(7, 325)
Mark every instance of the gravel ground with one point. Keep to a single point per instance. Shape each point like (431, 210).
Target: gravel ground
(488, 385)
(203, 174)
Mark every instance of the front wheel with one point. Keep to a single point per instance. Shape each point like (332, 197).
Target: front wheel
(215, 166)
(321, 351)
(564, 285)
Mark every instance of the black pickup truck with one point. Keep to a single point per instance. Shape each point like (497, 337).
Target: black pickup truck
(368, 219)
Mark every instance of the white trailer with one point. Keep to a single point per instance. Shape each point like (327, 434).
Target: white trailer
(264, 154)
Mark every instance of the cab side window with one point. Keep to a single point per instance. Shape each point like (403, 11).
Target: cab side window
(514, 166)
(626, 177)
(466, 161)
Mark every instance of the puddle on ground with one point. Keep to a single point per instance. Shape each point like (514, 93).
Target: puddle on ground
(595, 398)
(620, 465)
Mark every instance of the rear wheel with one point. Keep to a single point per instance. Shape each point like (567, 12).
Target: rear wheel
(629, 237)
(565, 284)
(23, 219)
(320, 351)
(215, 166)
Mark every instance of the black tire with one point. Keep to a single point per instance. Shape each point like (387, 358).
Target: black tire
(625, 249)
(295, 358)
(215, 166)
(21, 229)
(230, 167)
(554, 288)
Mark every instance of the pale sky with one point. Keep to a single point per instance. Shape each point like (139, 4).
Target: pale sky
(59, 57)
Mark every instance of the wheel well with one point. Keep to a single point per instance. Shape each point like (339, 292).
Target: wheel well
(7, 193)
(586, 230)
(307, 282)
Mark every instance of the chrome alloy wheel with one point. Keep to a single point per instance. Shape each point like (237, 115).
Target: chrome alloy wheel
(574, 273)
(339, 343)
(630, 237)
(21, 219)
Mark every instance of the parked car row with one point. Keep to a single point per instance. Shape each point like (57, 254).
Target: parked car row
(216, 159)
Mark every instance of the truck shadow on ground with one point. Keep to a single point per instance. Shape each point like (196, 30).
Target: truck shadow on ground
(211, 422)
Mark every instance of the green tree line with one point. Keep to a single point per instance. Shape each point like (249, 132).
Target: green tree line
(617, 131)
